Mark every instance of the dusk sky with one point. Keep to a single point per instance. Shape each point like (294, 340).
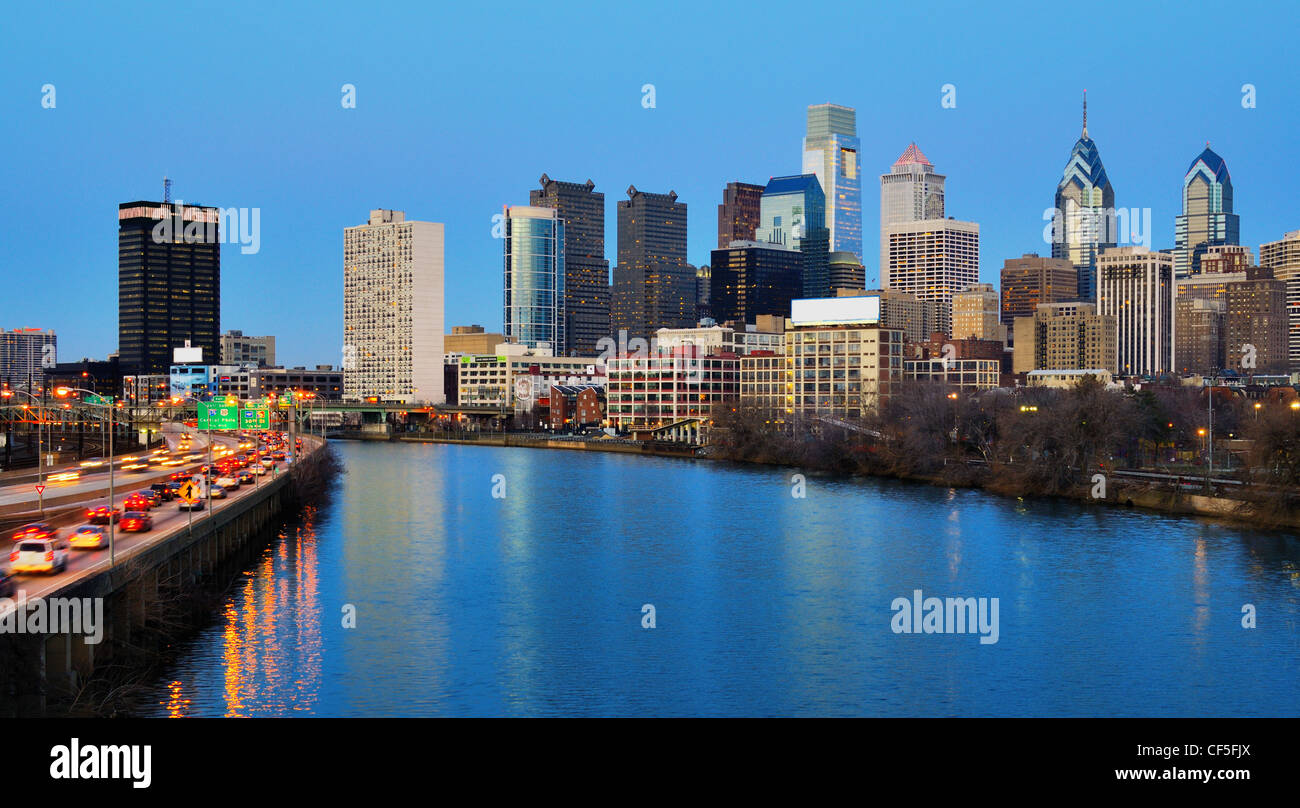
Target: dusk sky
(461, 108)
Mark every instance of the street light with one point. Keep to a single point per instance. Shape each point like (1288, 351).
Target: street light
(206, 484)
(63, 392)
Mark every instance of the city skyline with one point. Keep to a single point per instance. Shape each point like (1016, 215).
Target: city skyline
(308, 195)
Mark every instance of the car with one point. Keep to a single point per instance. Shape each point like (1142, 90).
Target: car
(154, 497)
(92, 462)
(174, 489)
(245, 478)
(136, 522)
(259, 470)
(164, 492)
(102, 515)
(278, 455)
(228, 482)
(216, 492)
(136, 502)
(88, 537)
(179, 476)
(196, 505)
(136, 468)
(39, 555)
(35, 530)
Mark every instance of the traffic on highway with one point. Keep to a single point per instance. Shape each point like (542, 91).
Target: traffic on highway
(44, 551)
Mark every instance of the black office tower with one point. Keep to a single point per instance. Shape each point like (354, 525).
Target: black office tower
(752, 278)
(586, 272)
(169, 283)
(654, 286)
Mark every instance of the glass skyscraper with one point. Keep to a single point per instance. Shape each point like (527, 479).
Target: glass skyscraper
(1083, 223)
(1207, 218)
(534, 276)
(830, 151)
(793, 212)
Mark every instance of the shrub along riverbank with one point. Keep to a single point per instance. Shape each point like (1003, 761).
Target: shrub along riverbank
(1046, 442)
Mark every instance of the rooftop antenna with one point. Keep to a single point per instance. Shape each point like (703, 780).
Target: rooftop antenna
(167, 191)
(1085, 113)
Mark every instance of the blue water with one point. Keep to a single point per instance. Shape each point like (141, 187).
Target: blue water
(765, 604)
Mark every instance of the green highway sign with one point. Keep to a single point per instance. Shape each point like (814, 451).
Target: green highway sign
(213, 415)
(103, 401)
(255, 418)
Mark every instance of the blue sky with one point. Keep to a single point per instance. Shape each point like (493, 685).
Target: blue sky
(461, 108)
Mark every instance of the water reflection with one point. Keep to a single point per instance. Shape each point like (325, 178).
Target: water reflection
(530, 603)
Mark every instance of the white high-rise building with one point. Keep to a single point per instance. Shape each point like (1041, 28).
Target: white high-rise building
(910, 192)
(393, 310)
(933, 259)
(1136, 287)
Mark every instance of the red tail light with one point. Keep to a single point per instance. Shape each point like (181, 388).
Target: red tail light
(13, 556)
(49, 555)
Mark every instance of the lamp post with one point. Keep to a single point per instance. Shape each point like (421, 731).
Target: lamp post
(64, 391)
(206, 484)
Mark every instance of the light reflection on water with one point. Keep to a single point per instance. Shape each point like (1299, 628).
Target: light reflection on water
(766, 604)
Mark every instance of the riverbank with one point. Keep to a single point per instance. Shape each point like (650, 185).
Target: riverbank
(1116, 492)
(617, 445)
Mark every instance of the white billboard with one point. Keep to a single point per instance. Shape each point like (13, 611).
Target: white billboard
(835, 311)
(187, 356)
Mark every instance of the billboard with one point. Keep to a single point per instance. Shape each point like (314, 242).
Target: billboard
(863, 310)
(187, 356)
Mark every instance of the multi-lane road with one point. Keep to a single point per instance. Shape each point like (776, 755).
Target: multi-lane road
(167, 518)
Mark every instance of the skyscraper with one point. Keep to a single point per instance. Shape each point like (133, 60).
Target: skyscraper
(910, 192)
(1207, 218)
(1136, 287)
(1083, 222)
(1283, 257)
(654, 286)
(932, 259)
(586, 272)
(168, 283)
(393, 309)
(738, 213)
(750, 278)
(25, 353)
(830, 151)
(534, 292)
(793, 213)
(1030, 280)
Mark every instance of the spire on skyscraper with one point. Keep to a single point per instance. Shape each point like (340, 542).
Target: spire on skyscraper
(1085, 113)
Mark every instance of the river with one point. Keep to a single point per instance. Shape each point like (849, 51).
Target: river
(512, 581)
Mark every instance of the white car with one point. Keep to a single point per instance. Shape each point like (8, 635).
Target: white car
(258, 469)
(228, 483)
(39, 555)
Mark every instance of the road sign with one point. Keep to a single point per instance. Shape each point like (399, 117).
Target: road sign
(255, 418)
(102, 401)
(217, 416)
(191, 491)
(40, 489)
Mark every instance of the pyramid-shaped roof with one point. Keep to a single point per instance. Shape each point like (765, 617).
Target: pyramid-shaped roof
(913, 156)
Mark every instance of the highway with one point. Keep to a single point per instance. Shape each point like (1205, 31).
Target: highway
(167, 521)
